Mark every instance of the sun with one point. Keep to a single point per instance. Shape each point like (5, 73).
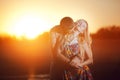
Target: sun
(29, 26)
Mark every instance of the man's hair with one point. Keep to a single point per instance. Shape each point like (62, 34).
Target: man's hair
(66, 22)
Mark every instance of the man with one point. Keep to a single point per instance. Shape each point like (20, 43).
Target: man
(59, 60)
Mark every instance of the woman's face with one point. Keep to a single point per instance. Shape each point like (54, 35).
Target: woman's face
(82, 27)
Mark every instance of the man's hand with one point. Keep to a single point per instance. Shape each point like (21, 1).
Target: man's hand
(76, 62)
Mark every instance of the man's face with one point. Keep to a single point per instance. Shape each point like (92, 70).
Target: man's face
(68, 28)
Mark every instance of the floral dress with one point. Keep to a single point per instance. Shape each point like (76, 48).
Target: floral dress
(71, 51)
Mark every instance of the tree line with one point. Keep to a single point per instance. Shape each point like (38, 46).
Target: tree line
(110, 32)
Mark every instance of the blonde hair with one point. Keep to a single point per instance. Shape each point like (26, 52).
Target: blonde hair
(85, 36)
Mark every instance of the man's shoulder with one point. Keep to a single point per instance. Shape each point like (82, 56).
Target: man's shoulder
(55, 29)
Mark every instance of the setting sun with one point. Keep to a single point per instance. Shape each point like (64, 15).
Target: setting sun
(28, 26)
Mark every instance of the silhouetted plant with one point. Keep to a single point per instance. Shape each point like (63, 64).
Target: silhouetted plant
(111, 32)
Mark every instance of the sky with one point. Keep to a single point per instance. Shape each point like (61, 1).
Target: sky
(19, 16)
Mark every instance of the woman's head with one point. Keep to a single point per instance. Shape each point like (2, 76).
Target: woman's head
(82, 26)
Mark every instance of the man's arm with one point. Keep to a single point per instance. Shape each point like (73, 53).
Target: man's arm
(61, 56)
(53, 38)
(56, 44)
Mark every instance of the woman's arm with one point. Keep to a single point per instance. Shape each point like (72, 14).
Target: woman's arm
(78, 63)
(88, 51)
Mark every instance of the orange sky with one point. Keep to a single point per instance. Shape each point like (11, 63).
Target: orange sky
(44, 14)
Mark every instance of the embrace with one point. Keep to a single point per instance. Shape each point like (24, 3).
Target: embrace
(71, 50)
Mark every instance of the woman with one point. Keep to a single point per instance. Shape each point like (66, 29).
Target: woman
(74, 45)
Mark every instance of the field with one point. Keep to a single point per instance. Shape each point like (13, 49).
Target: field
(20, 59)
(106, 59)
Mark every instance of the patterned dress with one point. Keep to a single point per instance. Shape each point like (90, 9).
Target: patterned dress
(71, 51)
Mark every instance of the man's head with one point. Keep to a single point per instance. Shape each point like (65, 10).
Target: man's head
(67, 23)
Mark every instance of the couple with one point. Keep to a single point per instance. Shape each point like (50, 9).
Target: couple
(71, 49)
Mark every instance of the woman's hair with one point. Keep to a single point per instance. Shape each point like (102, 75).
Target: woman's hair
(85, 36)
